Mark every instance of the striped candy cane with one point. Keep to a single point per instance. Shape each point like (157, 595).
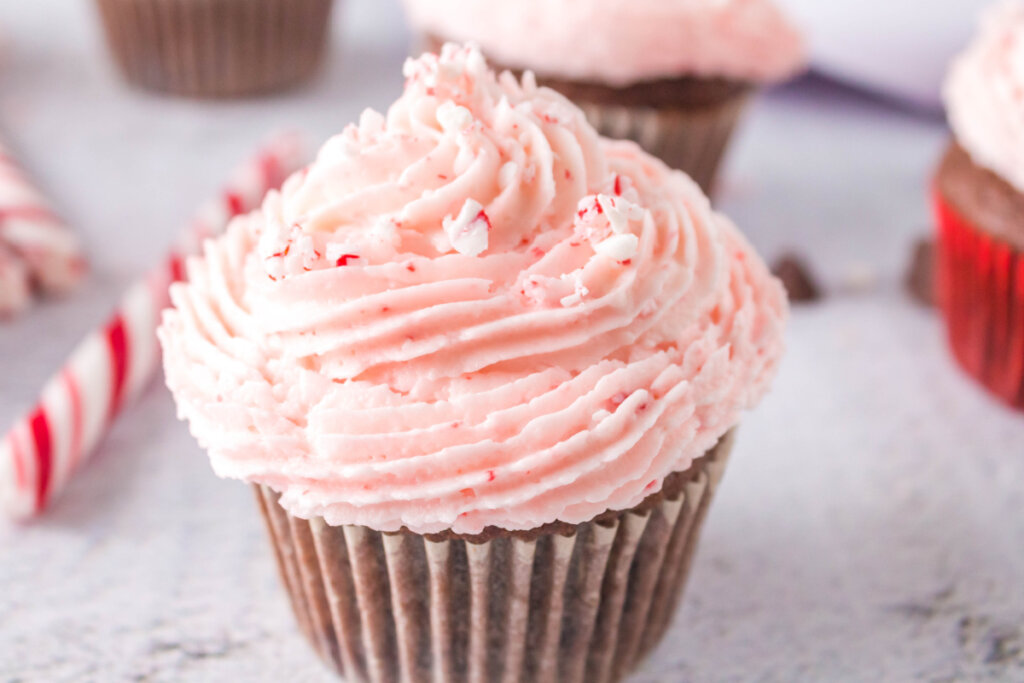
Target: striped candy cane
(15, 284)
(33, 233)
(109, 367)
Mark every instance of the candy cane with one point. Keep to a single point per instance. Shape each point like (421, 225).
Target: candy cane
(110, 366)
(15, 284)
(34, 233)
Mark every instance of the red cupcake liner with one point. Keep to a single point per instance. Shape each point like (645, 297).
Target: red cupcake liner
(980, 281)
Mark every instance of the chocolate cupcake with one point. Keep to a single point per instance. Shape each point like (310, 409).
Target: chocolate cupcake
(672, 75)
(483, 368)
(216, 48)
(979, 203)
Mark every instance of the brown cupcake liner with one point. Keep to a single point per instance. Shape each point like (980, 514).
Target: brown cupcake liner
(216, 48)
(691, 140)
(561, 603)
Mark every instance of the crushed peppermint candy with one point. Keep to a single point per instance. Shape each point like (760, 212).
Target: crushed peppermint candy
(540, 290)
(619, 247)
(341, 254)
(453, 117)
(433, 71)
(619, 212)
(385, 231)
(467, 232)
(287, 250)
(576, 298)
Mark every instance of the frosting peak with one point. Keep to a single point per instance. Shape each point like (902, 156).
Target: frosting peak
(984, 93)
(620, 42)
(472, 311)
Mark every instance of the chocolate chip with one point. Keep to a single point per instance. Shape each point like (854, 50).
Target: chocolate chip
(920, 278)
(797, 279)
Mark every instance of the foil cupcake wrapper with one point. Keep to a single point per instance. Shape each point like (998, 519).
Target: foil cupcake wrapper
(561, 603)
(981, 293)
(216, 48)
(691, 140)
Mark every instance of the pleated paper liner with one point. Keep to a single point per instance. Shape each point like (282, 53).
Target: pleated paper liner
(981, 293)
(216, 48)
(687, 122)
(693, 141)
(566, 603)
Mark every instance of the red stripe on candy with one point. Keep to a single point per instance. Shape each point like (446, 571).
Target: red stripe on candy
(40, 424)
(270, 168)
(177, 268)
(27, 213)
(235, 204)
(117, 341)
(75, 399)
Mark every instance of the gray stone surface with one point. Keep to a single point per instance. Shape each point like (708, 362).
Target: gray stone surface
(870, 526)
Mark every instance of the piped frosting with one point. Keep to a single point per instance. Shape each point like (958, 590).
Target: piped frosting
(471, 312)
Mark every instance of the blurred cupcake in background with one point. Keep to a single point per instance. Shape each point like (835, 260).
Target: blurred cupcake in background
(979, 201)
(216, 48)
(673, 75)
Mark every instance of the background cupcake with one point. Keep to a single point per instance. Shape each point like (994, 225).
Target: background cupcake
(483, 366)
(673, 75)
(979, 198)
(216, 48)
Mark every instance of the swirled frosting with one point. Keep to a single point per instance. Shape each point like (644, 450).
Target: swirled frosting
(620, 42)
(472, 311)
(985, 93)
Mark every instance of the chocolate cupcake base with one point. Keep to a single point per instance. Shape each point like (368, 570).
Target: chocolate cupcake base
(561, 603)
(216, 48)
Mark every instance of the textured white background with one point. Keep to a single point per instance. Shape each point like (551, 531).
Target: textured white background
(871, 525)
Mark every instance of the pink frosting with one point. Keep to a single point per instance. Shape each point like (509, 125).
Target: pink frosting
(473, 311)
(623, 41)
(985, 93)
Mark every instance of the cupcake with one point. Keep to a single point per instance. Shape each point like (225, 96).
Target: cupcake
(216, 48)
(979, 204)
(483, 368)
(672, 75)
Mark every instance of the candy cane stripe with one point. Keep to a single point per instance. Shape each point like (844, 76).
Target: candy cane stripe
(177, 268)
(117, 343)
(113, 364)
(35, 235)
(75, 400)
(44, 465)
(235, 204)
(27, 213)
